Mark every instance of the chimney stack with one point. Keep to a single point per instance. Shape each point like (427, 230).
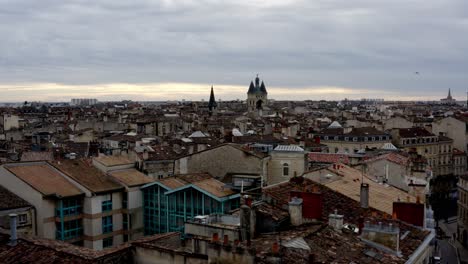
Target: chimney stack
(364, 195)
(295, 211)
(336, 221)
(13, 235)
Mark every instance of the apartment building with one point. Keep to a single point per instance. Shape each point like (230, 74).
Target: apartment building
(437, 150)
(102, 217)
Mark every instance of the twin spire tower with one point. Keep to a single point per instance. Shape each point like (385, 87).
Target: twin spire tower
(257, 97)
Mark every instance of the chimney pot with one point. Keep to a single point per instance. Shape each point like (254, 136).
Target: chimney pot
(275, 248)
(13, 224)
(364, 195)
(226, 240)
(215, 238)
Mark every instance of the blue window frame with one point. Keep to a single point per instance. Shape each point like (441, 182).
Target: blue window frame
(107, 226)
(107, 206)
(72, 229)
(68, 207)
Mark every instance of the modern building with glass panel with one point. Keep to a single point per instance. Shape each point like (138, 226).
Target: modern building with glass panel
(169, 202)
(75, 202)
(58, 202)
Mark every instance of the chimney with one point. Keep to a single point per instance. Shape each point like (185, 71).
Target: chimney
(215, 238)
(336, 221)
(13, 236)
(365, 195)
(295, 211)
(275, 248)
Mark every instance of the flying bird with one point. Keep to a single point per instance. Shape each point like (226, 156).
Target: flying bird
(416, 72)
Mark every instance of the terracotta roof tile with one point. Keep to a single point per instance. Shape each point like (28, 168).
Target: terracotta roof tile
(45, 179)
(130, 177)
(87, 175)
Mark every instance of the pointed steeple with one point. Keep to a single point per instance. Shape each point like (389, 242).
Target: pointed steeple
(251, 88)
(263, 88)
(212, 104)
(449, 95)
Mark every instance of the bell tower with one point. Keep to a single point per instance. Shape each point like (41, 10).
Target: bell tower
(257, 96)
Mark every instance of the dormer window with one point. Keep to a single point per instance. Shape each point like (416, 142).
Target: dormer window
(346, 138)
(355, 139)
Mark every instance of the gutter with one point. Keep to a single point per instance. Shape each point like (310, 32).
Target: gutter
(416, 254)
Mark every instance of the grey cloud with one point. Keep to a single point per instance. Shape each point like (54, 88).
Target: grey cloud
(356, 43)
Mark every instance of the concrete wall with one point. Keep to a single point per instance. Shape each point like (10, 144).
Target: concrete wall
(296, 163)
(45, 209)
(452, 128)
(220, 161)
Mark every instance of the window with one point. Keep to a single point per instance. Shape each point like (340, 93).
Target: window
(22, 219)
(124, 200)
(125, 221)
(107, 242)
(373, 138)
(285, 169)
(107, 204)
(72, 229)
(336, 138)
(326, 137)
(354, 139)
(68, 207)
(107, 224)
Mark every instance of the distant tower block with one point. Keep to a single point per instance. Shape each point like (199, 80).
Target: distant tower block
(257, 96)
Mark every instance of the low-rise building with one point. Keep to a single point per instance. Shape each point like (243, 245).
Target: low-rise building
(169, 202)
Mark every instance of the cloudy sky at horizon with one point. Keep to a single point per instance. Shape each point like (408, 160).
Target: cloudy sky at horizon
(54, 50)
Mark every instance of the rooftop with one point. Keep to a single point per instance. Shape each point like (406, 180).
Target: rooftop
(289, 148)
(9, 200)
(44, 178)
(347, 181)
(130, 177)
(110, 161)
(87, 175)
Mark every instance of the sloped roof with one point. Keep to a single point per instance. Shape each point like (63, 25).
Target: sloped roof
(289, 148)
(37, 156)
(389, 146)
(110, 161)
(348, 183)
(335, 124)
(9, 200)
(45, 179)
(130, 177)
(87, 175)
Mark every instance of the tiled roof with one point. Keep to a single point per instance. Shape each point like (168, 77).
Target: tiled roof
(214, 187)
(414, 132)
(110, 161)
(289, 148)
(130, 177)
(9, 200)
(37, 156)
(45, 179)
(203, 181)
(348, 183)
(87, 175)
(44, 251)
(392, 157)
(328, 158)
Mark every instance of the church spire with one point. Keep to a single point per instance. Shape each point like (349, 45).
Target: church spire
(212, 104)
(449, 94)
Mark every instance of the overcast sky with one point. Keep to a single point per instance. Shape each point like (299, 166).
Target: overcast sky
(54, 50)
